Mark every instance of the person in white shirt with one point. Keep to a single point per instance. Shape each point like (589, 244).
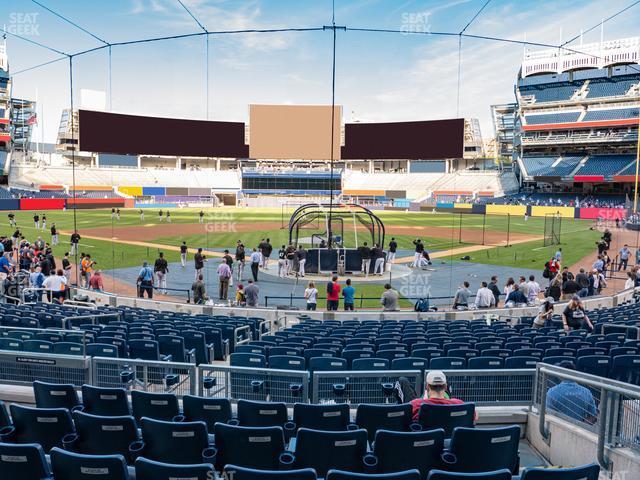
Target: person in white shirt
(484, 297)
(255, 260)
(631, 281)
(533, 290)
(57, 285)
(311, 294)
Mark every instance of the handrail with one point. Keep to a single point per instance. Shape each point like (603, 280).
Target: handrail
(237, 330)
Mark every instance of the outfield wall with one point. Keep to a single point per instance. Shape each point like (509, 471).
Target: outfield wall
(586, 213)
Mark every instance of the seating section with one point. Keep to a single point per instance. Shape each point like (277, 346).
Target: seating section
(613, 114)
(550, 92)
(546, 118)
(607, 165)
(611, 87)
(551, 166)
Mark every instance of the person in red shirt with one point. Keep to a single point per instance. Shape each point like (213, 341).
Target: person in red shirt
(435, 393)
(333, 294)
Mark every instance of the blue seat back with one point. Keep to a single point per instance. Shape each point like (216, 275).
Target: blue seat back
(265, 445)
(99, 435)
(485, 450)
(110, 402)
(585, 472)
(150, 470)
(75, 466)
(398, 451)
(323, 451)
(174, 442)
(447, 417)
(54, 395)
(388, 417)
(261, 414)
(23, 461)
(46, 426)
(207, 410)
(159, 406)
(342, 475)
(321, 417)
(242, 473)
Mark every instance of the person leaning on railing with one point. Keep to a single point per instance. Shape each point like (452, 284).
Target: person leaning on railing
(572, 400)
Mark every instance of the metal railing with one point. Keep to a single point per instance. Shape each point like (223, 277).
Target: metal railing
(77, 320)
(606, 407)
(147, 375)
(20, 368)
(511, 387)
(366, 386)
(247, 383)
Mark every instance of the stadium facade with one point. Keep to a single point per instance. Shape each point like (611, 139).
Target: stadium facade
(576, 119)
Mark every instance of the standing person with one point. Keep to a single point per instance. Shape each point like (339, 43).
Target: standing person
(526, 216)
(252, 293)
(96, 282)
(393, 248)
(74, 241)
(515, 298)
(54, 235)
(161, 269)
(255, 260)
(311, 295)
(56, 284)
(625, 253)
(365, 258)
(141, 213)
(14, 238)
(145, 281)
(417, 256)
(461, 299)
(554, 290)
(241, 299)
(266, 250)
(558, 255)
(524, 287)
(168, 216)
(229, 259)
(389, 299)
(160, 216)
(183, 254)
(333, 294)
(290, 254)
(198, 261)
(534, 290)
(12, 219)
(484, 297)
(36, 221)
(198, 289)
(574, 316)
(201, 217)
(118, 214)
(631, 280)
(240, 258)
(583, 280)
(66, 267)
(301, 256)
(224, 274)
(87, 267)
(378, 259)
(282, 262)
(493, 286)
(44, 221)
(349, 294)
(113, 213)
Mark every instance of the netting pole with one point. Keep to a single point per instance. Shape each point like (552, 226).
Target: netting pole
(484, 223)
(508, 227)
(73, 162)
(460, 228)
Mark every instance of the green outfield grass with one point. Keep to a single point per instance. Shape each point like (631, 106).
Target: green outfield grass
(577, 239)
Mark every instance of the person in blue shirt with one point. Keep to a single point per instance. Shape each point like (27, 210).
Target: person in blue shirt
(348, 293)
(572, 400)
(145, 281)
(5, 264)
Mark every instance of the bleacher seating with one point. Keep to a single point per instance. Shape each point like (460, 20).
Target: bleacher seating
(610, 114)
(550, 92)
(538, 165)
(611, 87)
(607, 165)
(22, 193)
(545, 118)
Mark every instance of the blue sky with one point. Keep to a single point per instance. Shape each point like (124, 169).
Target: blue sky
(380, 77)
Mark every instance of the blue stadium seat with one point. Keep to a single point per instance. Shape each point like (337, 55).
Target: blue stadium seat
(485, 363)
(249, 348)
(102, 350)
(37, 346)
(341, 475)
(397, 418)
(322, 416)
(159, 406)
(626, 368)
(447, 417)
(24, 462)
(68, 348)
(150, 470)
(350, 355)
(409, 363)
(495, 475)
(262, 414)
(242, 473)
(109, 402)
(172, 346)
(594, 364)
(11, 344)
(4, 415)
(207, 410)
(96, 435)
(398, 451)
(483, 450)
(521, 362)
(54, 395)
(74, 466)
(585, 472)
(234, 442)
(323, 451)
(46, 426)
(182, 443)
(286, 362)
(448, 363)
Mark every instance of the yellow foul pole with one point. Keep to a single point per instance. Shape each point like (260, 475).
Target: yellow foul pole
(635, 190)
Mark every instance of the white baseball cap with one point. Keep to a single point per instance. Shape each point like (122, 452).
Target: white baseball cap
(436, 377)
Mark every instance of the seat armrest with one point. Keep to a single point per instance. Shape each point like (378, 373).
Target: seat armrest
(415, 427)
(352, 426)
(166, 358)
(209, 455)
(370, 463)
(287, 460)
(136, 449)
(70, 441)
(289, 430)
(7, 434)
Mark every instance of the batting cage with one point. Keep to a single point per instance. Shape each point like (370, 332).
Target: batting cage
(332, 235)
(552, 229)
